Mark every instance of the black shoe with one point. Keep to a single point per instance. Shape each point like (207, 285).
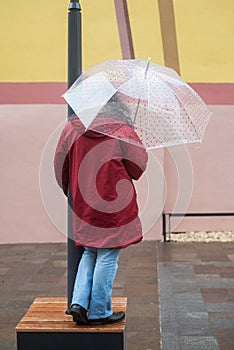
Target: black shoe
(115, 317)
(79, 314)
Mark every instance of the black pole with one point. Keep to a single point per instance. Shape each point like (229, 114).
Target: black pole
(164, 226)
(74, 70)
(74, 44)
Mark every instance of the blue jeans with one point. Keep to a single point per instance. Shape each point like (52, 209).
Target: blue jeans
(94, 280)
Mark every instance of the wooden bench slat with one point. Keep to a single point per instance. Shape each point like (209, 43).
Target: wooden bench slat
(64, 300)
(49, 315)
(62, 327)
(51, 318)
(51, 300)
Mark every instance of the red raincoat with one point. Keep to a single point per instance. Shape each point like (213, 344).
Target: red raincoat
(100, 170)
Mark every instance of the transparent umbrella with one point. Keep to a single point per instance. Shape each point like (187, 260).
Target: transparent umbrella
(153, 99)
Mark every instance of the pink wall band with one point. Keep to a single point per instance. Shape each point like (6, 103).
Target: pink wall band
(50, 93)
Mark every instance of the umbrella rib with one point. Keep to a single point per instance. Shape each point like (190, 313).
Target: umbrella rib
(148, 104)
(177, 97)
(145, 76)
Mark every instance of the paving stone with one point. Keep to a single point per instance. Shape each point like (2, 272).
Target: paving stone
(61, 254)
(205, 269)
(170, 341)
(225, 338)
(199, 343)
(138, 309)
(199, 328)
(222, 323)
(144, 289)
(7, 337)
(189, 300)
(210, 282)
(211, 257)
(221, 315)
(142, 272)
(188, 288)
(143, 340)
(59, 263)
(207, 276)
(142, 323)
(228, 282)
(143, 299)
(185, 257)
(220, 307)
(4, 270)
(192, 315)
(214, 295)
(35, 286)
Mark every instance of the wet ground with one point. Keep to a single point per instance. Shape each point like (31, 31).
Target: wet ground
(180, 295)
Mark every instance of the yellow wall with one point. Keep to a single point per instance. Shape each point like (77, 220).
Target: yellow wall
(205, 35)
(145, 26)
(33, 37)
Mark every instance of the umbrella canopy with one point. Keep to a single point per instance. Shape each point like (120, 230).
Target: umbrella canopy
(153, 99)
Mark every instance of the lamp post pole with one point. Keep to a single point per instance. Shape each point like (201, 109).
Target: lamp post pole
(74, 70)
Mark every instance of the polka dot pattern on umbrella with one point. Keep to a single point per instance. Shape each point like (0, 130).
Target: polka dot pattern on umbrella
(153, 99)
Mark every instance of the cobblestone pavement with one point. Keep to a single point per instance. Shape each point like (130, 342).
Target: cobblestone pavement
(196, 288)
(179, 294)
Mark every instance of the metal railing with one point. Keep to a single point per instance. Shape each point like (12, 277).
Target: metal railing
(169, 215)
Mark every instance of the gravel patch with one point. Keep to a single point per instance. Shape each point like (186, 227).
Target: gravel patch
(223, 236)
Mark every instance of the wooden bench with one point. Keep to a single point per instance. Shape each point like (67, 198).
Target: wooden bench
(46, 326)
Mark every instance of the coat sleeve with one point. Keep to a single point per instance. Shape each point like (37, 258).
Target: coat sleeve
(61, 163)
(135, 157)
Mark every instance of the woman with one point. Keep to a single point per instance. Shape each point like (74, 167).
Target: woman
(100, 169)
